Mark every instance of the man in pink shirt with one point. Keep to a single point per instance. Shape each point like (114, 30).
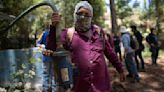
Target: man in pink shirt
(87, 47)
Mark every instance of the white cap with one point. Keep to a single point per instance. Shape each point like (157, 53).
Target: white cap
(84, 4)
(123, 29)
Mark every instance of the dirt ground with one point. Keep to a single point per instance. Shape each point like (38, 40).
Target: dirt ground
(152, 80)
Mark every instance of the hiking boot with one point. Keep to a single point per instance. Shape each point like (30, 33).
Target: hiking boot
(135, 81)
(129, 76)
(142, 70)
(138, 80)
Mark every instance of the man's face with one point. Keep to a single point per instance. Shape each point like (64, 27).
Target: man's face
(154, 32)
(83, 19)
(133, 29)
(119, 34)
(84, 12)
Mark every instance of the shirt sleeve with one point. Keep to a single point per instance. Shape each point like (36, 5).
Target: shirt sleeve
(125, 42)
(51, 39)
(64, 39)
(112, 57)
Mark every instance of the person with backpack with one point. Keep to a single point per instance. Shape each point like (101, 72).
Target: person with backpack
(138, 51)
(129, 55)
(152, 40)
(117, 43)
(48, 63)
(87, 45)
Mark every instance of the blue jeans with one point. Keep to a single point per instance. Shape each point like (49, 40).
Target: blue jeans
(131, 66)
(49, 76)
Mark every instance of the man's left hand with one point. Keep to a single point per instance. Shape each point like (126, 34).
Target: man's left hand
(122, 77)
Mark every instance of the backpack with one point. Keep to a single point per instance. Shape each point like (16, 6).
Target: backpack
(148, 39)
(133, 42)
(71, 31)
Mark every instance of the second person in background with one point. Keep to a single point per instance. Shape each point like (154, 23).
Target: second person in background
(129, 55)
(138, 52)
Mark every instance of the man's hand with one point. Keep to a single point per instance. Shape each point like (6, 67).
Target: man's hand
(55, 18)
(122, 77)
(47, 52)
(152, 45)
(41, 46)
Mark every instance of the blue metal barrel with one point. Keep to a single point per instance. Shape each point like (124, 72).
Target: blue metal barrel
(12, 60)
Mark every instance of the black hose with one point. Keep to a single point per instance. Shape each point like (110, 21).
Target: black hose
(26, 12)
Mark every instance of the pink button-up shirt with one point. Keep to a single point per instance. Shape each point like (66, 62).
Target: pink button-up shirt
(88, 56)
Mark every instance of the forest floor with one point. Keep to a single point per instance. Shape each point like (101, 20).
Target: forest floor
(152, 80)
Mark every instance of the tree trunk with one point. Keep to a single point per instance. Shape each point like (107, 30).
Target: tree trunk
(113, 16)
(159, 14)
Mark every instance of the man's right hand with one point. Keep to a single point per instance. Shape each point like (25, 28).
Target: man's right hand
(122, 77)
(152, 45)
(55, 18)
(47, 52)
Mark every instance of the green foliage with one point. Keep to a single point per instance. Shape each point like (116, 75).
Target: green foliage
(30, 25)
(123, 10)
(148, 12)
(33, 23)
(67, 13)
(33, 60)
(14, 8)
(136, 4)
(67, 10)
(98, 11)
(17, 90)
(154, 12)
(20, 79)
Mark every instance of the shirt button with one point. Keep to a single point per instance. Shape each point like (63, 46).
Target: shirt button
(91, 73)
(91, 84)
(91, 62)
